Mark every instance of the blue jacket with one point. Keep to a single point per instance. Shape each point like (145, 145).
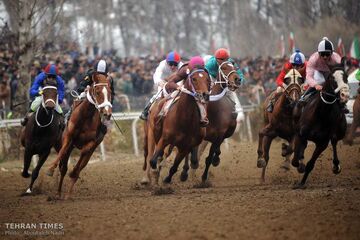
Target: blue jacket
(212, 67)
(38, 82)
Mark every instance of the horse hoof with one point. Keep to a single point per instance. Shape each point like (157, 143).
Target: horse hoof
(285, 167)
(167, 180)
(295, 163)
(153, 164)
(261, 163)
(28, 192)
(194, 165)
(183, 176)
(337, 169)
(50, 172)
(215, 162)
(144, 181)
(25, 174)
(299, 186)
(301, 168)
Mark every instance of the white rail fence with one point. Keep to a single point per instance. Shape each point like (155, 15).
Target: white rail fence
(134, 116)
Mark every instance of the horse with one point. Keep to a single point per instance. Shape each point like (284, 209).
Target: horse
(42, 131)
(279, 123)
(84, 129)
(355, 125)
(322, 120)
(179, 128)
(222, 116)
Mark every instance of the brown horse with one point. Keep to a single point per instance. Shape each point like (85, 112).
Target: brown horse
(84, 129)
(355, 125)
(322, 120)
(279, 123)
(221, 114)
(42, 131)
(180, 127)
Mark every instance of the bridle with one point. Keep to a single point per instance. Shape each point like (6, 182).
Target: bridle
(198, 96)
(91, 93)
(43, 104)
(222, 75)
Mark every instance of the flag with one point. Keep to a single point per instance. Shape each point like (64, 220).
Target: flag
(282, 46)
(291, 42)
(355, 49)
(340, 48)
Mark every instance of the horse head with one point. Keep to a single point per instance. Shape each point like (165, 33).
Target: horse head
(293, 81)
(198, 84)
(340, 77)
(228, 75)
(101, 94)
(49, 93)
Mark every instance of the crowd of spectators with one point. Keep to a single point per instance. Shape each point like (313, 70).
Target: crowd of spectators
(132, 75)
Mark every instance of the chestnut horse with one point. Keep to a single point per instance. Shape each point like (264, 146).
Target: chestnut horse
(322, 120)
(42, 131)
(84, 129)
(279, 123)
(180, 127)
(221, 114)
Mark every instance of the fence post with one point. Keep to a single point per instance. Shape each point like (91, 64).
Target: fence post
(134, 136)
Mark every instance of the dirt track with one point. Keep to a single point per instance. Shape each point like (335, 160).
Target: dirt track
(108, 204)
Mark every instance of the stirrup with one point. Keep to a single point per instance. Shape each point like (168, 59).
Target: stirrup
(143, 116)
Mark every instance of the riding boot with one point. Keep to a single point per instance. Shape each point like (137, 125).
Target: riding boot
(67, 115)
(344, 108)
(303, 99)
(145, 112)
(26, 118)
(270, 107)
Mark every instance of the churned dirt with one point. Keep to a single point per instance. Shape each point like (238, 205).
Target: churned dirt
(110, 204)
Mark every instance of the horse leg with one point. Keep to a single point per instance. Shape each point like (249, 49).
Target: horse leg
(336, 163)
(63, 169)
(267, 140)
(159, 152)
(85, 155)
(286, 151)
(320, 147)
(179, 156)
(67, 145)
(299, 148)
(35, 173)
(216, 158)
(208, 161)
(184, 173)
(194, 160)
(148, 153)
(27, 160)
(260, 160)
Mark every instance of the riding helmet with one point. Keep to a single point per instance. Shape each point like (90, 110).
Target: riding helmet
(325, 45)
(51, 70)
(101, 67)
(196, 62)
(222, 53)
(297, 58)
(173, 57)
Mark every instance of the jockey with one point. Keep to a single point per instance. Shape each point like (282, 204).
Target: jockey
(50, 71)
(213, 63)
(165, 68)
(196, 62)
(100, 67)
(319, 62)
(297, 61)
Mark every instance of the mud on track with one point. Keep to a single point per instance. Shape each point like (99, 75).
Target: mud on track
(108, 204)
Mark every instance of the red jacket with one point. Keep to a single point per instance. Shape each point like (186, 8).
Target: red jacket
(284, 71)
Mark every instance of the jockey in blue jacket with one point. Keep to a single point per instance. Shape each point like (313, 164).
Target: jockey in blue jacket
(50, 71)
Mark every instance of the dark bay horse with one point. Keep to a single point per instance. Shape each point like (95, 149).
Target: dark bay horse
(279, 123)
(221, 114)
(322, 120)
(84, 129)
(42, 132)
(180, 127)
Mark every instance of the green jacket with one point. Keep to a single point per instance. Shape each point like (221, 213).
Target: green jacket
(212, 67)
(357, 75)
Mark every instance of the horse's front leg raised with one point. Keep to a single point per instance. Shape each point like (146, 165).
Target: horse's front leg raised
(27, 160)
(63, 153)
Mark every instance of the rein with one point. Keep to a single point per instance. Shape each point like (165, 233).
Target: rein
(224, 76)
(43, 103)
(328, 94)
(193, 93)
